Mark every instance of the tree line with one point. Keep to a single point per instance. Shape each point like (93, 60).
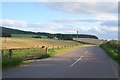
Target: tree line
(6, 32)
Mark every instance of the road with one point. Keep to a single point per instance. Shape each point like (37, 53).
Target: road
(85, 62)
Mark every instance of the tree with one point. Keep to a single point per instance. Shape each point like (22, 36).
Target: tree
(50, 36)
(6, 34)
(64, 37)
(38, 36)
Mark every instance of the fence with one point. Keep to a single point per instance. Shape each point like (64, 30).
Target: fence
(24, 53)
(28, 53)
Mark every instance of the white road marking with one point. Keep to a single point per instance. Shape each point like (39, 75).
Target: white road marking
(86, 52)
(75, 61)
(78, 59)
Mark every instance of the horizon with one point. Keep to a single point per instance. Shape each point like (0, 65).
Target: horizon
(95, 18)
(40, 32)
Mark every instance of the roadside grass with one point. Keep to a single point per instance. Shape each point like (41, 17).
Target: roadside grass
(24, 53)
(10, 62)
(112, 48)
(58, 51)
(17, 58)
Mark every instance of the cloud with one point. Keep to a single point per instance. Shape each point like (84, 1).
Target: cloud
(113, 29)
(61, 28)
(59, 1)
(62, 25)
(55, 27)
(110, 23)
(16, 23)
(98, 8)
(77, 20)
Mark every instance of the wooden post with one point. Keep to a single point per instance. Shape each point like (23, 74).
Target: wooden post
(28, 51)
(34, 49)
(10, 53)
(46, 50)
(2, 53)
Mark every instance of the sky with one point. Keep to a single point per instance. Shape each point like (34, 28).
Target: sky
(95, 18)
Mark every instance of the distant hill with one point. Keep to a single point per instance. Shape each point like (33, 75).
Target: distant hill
(6, 32)
(84, 36)
(16, 31)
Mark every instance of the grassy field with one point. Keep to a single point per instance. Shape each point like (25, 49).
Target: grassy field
(22, 35)
(34, 49)
(26, 36)
(112, 48)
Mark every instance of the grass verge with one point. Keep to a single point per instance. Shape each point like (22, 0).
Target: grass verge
(10, 62)
(112, 50)
(54, 52)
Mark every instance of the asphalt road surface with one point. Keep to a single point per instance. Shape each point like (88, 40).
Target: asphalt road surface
(85, 62)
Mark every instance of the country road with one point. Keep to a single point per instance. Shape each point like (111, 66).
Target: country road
(85, 62)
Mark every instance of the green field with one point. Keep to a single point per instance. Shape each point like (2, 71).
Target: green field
(23, 35)
(44, 37)
(26, 36)
(112, 48)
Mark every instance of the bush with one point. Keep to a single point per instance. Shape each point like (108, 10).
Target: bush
(6, 34)
(38, 36)
(64, 37)
(44, 56)
(112, 49)
(9, 62)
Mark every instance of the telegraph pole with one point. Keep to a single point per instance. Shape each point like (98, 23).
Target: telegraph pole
(77, 34)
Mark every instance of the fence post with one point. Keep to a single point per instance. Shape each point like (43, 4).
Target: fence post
(28, 51)
(2, 52)
(46, 50)
(34, 49)
(10, 53)
(21, 51)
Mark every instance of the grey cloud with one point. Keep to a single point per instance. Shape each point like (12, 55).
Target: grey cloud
(85, 7)
(76, 20)
(9, 22)
(110, 23)
(53, 27)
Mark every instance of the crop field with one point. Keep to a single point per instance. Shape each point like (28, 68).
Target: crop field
(12, 43)
(89, 40)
